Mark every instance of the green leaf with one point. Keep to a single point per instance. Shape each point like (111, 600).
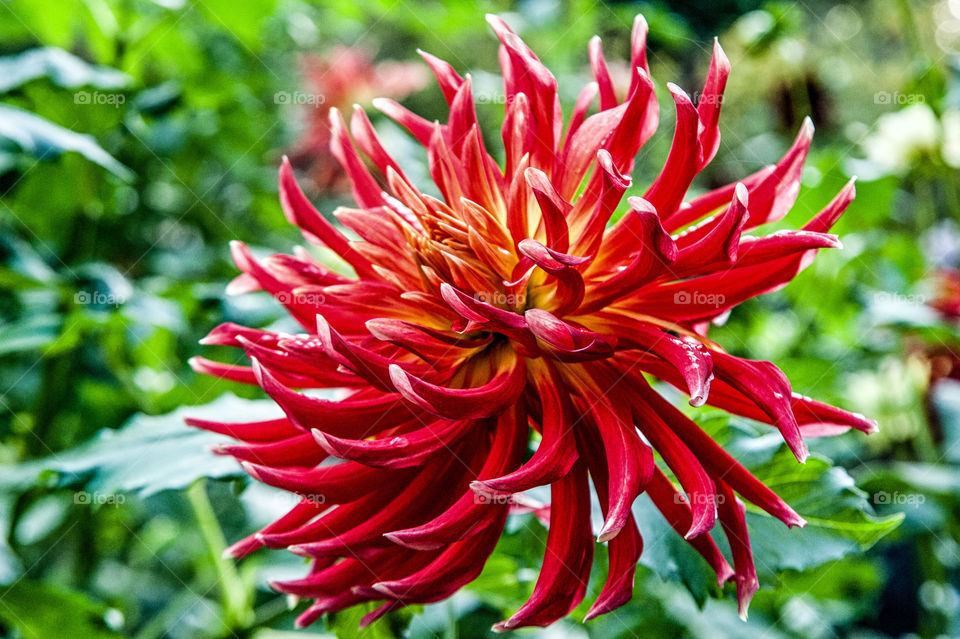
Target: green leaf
(345, 624)
(839, 516)
(23, 265)
(62, 68)
(945, 395)
(243, 21)
(669, 556)
(151, 453)
(29, 334)
(42, 138)
(40, 611)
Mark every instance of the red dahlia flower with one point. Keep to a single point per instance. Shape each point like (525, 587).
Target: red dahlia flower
(946, 298)
(513, 306)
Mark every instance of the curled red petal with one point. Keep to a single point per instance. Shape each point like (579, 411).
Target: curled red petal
(501, 390)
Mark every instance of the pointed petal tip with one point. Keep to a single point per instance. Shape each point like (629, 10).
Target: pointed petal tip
(395, 538)
(251, 469)
(386, 589)
(502, 626)
(679, 95)
(609, 531)
(741, 193)
(694, 532)
(397, 375)
(725, 574)
(319, 436)
(746, 589)
(480, 487)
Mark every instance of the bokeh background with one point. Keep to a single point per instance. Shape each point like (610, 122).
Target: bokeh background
(138, 138)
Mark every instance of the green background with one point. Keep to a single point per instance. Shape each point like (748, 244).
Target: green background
(137, 139)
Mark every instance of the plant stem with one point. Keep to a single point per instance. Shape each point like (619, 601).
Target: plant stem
(235, 600)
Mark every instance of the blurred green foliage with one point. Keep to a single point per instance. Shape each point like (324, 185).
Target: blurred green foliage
(138, 138)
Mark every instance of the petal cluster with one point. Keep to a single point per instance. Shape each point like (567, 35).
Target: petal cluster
(505, 335)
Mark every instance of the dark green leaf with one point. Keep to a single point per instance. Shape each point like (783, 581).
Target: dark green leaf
(40, 611)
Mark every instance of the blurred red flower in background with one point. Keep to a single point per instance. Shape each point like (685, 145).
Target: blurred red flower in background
(340, 78)
(513, 306)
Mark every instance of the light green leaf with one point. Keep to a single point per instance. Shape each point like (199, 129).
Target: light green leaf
(62, 68)
(43, 139)
(150, 454)
(345, 624)
(29, 334)
(840, 519)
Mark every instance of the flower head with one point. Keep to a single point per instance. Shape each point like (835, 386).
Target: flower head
(511, 306)
(340, 78)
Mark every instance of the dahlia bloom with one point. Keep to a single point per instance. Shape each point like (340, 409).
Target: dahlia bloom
(946, 297)
(942, 356)
(340, 78)
(510, 311)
